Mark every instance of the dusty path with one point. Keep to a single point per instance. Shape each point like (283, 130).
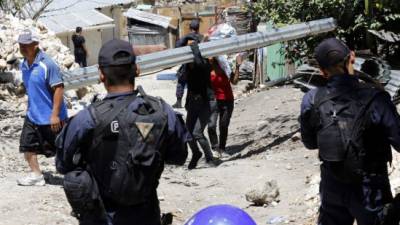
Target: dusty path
(263, 145)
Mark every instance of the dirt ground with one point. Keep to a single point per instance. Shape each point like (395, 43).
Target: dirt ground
(263, 145)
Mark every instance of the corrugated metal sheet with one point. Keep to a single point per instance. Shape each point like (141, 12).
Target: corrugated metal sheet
(68, 6)
(151, 18)
(147, 35)
(69, 21)
(386, 35)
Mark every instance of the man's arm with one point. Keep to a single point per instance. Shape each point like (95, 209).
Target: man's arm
(235, 78)
(178, 136)
(384, 112)
(57, 87)
(58, 99)
(73, 137)
(307, 125)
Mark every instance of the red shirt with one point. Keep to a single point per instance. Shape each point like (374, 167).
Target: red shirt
(222, 86)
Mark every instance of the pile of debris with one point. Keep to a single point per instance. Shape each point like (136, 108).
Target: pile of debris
(10, 27)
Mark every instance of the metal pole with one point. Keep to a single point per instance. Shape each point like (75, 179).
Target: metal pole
(172, 57)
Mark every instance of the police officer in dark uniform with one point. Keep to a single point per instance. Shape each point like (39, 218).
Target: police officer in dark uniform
(124, 140)
(182, 77)
(344, 197)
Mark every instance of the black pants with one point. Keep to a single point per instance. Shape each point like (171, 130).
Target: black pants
(180, 87)
(342, 203)
(37, 138)
(224, 110)
(198, 111)
(80, 58)
(147, 213)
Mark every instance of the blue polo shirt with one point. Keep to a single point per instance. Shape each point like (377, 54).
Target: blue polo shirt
(39, 78)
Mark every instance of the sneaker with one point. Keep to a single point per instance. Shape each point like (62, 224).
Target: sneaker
(32, 180)
(195, 159)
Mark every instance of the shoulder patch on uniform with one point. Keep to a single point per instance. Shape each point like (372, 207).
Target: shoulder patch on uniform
(144, 128)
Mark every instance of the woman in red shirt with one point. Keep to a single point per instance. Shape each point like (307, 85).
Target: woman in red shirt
(221, 83)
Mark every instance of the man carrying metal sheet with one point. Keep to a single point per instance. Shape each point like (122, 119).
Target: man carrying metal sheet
(194, 35)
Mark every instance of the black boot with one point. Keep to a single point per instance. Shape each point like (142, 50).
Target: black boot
(178, 103)
(195, 159)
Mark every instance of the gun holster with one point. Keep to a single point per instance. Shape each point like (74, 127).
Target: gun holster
(83, 195)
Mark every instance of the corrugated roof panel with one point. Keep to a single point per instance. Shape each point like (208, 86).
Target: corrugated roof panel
(151, 18)
(69, 21)
(64, 6)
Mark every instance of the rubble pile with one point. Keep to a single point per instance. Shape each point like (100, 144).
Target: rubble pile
(9, 50)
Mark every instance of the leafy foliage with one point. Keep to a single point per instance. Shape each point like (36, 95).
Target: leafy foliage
(354, 17)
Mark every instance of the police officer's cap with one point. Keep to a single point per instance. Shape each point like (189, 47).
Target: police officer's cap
(195, 24)
(330, 52)
(116, 53)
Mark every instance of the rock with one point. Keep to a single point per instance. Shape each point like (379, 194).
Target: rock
(296, 137)
(71, 94)
(68, 61)
(263, 193)
(6, 77)
(20, 91)
(17, 78)
(10, 57)
(81, 92)
(3, 64)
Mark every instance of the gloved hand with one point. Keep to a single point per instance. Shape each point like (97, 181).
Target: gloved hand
(198, 58)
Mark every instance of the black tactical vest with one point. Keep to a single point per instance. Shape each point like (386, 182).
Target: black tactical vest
(125, 156)
(344, 117)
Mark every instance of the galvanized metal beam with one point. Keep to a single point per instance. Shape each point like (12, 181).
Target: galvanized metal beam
(178, 56)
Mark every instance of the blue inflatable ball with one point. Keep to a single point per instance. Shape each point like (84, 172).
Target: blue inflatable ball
(221, 215)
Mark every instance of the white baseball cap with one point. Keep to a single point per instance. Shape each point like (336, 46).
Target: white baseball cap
(27, 37)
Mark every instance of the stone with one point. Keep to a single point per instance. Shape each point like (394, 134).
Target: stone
(3, 64)
(296, 137)
(71, 94)
(263, 193)
(81, 92)
(68, 61)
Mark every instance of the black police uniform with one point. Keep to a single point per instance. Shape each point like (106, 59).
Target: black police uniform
(363, 201)
(77, 137)
(341, 202)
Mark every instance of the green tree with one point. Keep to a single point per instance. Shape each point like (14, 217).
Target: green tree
(354, 18)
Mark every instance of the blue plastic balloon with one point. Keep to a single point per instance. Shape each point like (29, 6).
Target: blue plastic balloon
(221, 215)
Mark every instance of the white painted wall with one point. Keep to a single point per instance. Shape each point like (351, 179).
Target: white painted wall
(94, 41)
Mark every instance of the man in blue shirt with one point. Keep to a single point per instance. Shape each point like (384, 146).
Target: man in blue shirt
(46, 108)
(344, 200)
(101, 136)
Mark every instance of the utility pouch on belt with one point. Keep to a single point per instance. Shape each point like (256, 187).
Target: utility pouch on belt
(83, 195)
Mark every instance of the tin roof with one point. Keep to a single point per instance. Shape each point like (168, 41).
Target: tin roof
(69, 21)
(151, 18)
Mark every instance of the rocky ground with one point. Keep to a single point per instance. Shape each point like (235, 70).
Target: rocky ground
(264, 152)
